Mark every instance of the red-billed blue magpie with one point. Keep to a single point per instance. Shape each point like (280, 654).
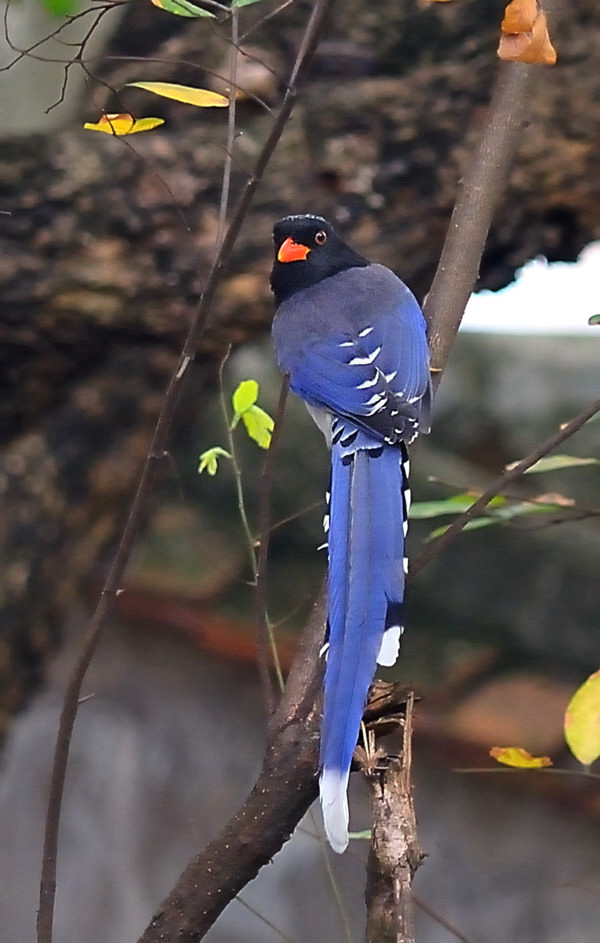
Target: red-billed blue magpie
(352, 338)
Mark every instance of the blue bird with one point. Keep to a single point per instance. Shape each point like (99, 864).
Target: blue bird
(352, 338)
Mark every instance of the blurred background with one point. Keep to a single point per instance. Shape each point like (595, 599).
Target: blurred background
(99, 279)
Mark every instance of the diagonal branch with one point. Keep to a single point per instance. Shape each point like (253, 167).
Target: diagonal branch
(479, 192)
(498, 486)
(286, 787)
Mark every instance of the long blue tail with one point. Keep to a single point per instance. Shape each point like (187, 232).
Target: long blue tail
(368, 514)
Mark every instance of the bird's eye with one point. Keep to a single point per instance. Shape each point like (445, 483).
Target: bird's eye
(321, 237)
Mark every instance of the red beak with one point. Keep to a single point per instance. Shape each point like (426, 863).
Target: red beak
(291, 251)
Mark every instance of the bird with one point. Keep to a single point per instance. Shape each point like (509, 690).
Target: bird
(352, 339)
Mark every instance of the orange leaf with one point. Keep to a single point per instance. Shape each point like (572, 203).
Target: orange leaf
(533, 47)
(123, 124)
(519, 16)
(512, 46)
(516, 756)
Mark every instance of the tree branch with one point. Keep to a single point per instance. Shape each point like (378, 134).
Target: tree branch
(479, 192)
(286, 787)
(498, 486)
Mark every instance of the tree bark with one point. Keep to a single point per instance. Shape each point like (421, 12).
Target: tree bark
(395, 853)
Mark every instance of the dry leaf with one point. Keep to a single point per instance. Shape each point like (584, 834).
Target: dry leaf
(123, 124)
(519, 758)
(519, 16)
(512, 47)
(533, 47)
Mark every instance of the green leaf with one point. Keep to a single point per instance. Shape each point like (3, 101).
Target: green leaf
(475, 524)
(243, 3)
(259, 425)
(554, 462)
(582, 721)
(209, 460)
(365, 834)
(243, 398)
(500, 515)
(61, 7)
(595, 318)
(182, 8)
(457, 504)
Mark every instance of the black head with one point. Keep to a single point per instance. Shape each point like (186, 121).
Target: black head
(307, 250)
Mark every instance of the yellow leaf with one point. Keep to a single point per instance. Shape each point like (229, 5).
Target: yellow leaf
(200, 97)
(123, 124)
(516, 756)
(181, 8)
(582, 721)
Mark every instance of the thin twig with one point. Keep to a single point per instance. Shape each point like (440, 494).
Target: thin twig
(583, 773)
(264, 19)
(333, 882)
(225, 187)
(497, 486)
(265, 637)
(139, 505)
(440, 919)
(264, 919)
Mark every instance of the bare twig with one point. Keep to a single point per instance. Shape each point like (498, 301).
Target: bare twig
(497, 486)
(263, 919)
(426, 907)
(233, 61)
(140, 502)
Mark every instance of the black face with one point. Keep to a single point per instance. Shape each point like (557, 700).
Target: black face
(307, 250)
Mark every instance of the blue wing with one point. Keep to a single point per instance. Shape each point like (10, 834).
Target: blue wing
(367, 360)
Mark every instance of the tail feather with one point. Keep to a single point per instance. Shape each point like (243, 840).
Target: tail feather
(366, 586)
(333, 789)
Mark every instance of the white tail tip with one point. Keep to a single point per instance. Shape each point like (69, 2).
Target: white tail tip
(333, 787)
